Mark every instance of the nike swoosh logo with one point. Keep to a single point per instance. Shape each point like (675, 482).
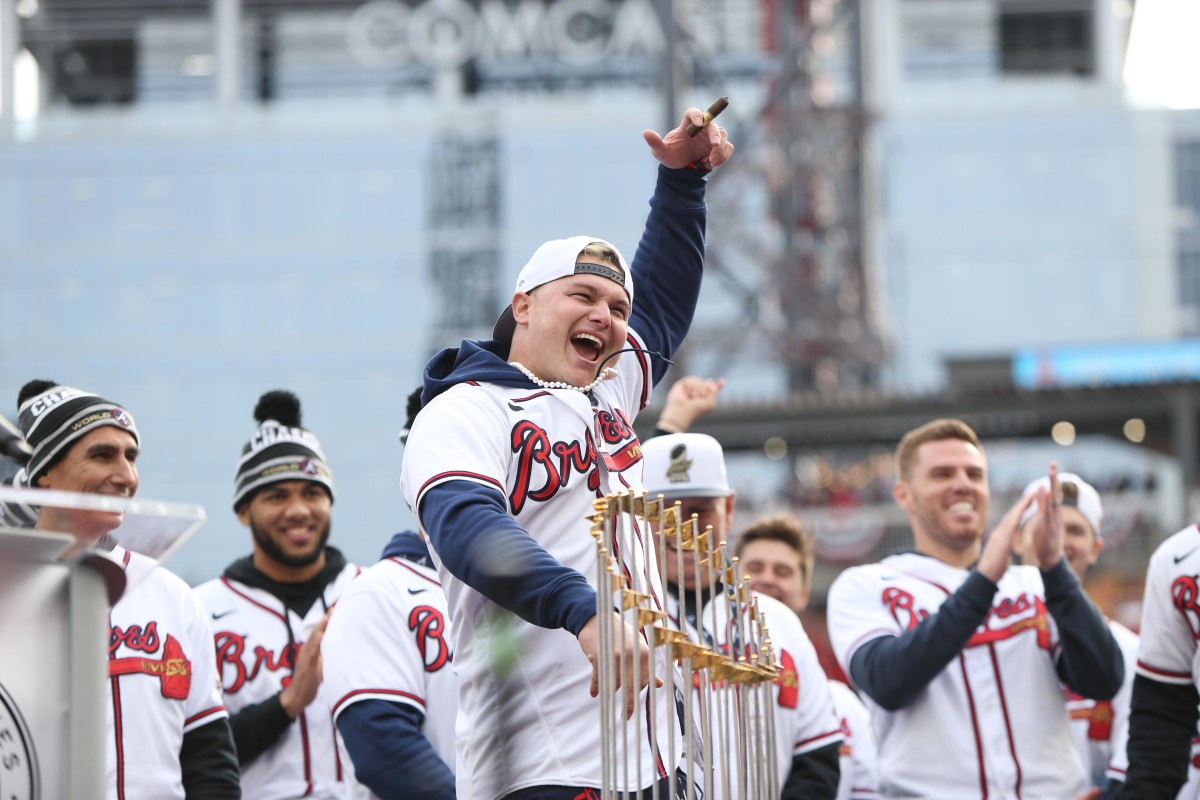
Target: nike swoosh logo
(223, 614)
(417, 591)
(1185, 555)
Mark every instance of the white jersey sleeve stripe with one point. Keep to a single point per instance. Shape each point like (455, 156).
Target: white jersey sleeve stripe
(861, 640)
(814, 742)
(1166, 676)
(204, 717)
(391, 695)
(443, 477)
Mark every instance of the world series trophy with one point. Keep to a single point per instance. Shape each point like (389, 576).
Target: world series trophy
(718, 689)
(56, 589)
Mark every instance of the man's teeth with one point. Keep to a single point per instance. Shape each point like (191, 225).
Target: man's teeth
(962, 508)
(587, 337)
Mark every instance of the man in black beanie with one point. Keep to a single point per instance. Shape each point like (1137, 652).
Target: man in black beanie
(168, 733)
(270, 608)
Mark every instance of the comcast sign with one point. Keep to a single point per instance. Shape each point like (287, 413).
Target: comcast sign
(449, 33)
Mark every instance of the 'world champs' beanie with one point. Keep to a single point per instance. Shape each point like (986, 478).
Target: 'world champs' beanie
(52, 417)
(280, 450)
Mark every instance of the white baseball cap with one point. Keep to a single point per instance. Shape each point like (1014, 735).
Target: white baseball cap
(557, 259)
(681, 465)
(1076, 492)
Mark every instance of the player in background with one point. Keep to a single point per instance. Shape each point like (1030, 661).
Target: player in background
(269, 610)
(1100, 727)
(516, 439)
(960, 655)
(389, 678)
(689, 469)
(167, 732)
(1163, 715)
(777, 556)
(388, 673)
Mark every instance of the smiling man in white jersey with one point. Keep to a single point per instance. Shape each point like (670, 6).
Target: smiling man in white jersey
(269, 610)
(167, 730)
(960, 655)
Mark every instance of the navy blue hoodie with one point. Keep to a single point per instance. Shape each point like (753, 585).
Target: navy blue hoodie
(667, 269)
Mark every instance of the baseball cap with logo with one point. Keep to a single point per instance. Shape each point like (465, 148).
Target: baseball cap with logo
(1076, 492)
(559, 258)
(682, 465)
(280, 450)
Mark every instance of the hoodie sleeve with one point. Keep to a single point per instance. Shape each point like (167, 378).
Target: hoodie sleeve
(669, 262)
(486, 549)
(454, 476)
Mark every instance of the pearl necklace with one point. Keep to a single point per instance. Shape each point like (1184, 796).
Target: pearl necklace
(605, 374)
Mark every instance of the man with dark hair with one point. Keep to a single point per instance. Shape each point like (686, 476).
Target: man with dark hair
(776, 554)
(168, 731)
(516, 439)
(270, 609)
(960, 654)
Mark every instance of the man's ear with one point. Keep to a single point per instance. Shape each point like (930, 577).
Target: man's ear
(520, 307)
(243, 514)
(901, 494)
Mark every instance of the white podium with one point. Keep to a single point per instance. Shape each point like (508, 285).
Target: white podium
(55, 594)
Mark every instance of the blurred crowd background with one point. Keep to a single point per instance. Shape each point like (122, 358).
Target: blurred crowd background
(976, 208)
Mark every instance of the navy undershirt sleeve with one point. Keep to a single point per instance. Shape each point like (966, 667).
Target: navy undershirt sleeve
(668, 264)
(893, 670)
(257, 727)
(1162, 721)
(485, 548)
(814, 775)
(391, 755)
(1090, 661)
(208, 763)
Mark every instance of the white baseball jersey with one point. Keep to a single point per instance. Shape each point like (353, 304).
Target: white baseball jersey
(258, 640)
(859, 779)
(550, 454)
(388, 640)
(990, 723)
(1171, 623)
(1171, 611)
(162, 680)
(803, 709)
(1101, 727)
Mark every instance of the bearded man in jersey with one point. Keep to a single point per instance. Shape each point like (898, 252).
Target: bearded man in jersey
(516, 439)
(269, 610)
(167, 731)
(961, 655)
